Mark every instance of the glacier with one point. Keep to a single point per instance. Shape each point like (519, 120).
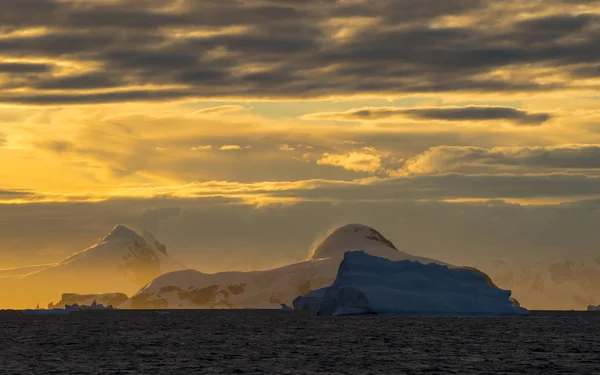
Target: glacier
(368, 284)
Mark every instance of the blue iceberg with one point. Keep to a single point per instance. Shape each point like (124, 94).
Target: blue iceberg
(367, 284)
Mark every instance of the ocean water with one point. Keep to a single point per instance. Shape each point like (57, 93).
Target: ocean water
(287, 342)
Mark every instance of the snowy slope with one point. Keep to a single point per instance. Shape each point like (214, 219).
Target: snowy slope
(367, 284)
(122, 261)
(266, 289)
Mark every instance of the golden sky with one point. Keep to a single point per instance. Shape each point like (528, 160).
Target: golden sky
(279, 105)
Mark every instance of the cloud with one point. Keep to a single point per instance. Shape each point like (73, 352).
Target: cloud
(443, 159)
(291, 49)
(151, 218)
(230, 148)
(219, 110)
(86, 81)
(286, 148)
(468, 113)
(6, 194)
(201, 148)
(114, 147)
(20, 67)
(58, 146)
(448, 186)
(353, 161)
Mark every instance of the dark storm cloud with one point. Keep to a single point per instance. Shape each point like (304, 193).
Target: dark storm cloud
(414, 11)
(15, 194)
(469, 113)
(106, 97)
(401, 51)
(81, 81)
(82, 45)
(480, 113)
(24, 68)
(155, 58)
(586, 71)
(556, 25)
(144, 15)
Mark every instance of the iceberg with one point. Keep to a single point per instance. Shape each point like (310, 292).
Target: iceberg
(367, 284)
(93, 306)
(105, 299)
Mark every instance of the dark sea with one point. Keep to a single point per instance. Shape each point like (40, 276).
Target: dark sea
(287, 342)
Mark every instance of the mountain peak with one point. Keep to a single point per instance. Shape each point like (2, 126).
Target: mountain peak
(121, 232)
(352, 237)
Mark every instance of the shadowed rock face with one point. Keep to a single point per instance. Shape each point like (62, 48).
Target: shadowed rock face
(201, 297)
(141, 262)
(236, 288)
(153, 241)
(144, 302)
(208, 297)
(351, 237)
(376, 236)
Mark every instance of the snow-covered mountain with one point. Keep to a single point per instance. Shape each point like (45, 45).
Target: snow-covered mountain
(357, 236)
(552, 282)
(367, 284)
(266, 289)
(122, 261)
(122, 258)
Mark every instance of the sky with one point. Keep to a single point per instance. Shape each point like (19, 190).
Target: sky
(241, 132)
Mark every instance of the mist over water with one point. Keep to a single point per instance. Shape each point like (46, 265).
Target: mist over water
(255, 341)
